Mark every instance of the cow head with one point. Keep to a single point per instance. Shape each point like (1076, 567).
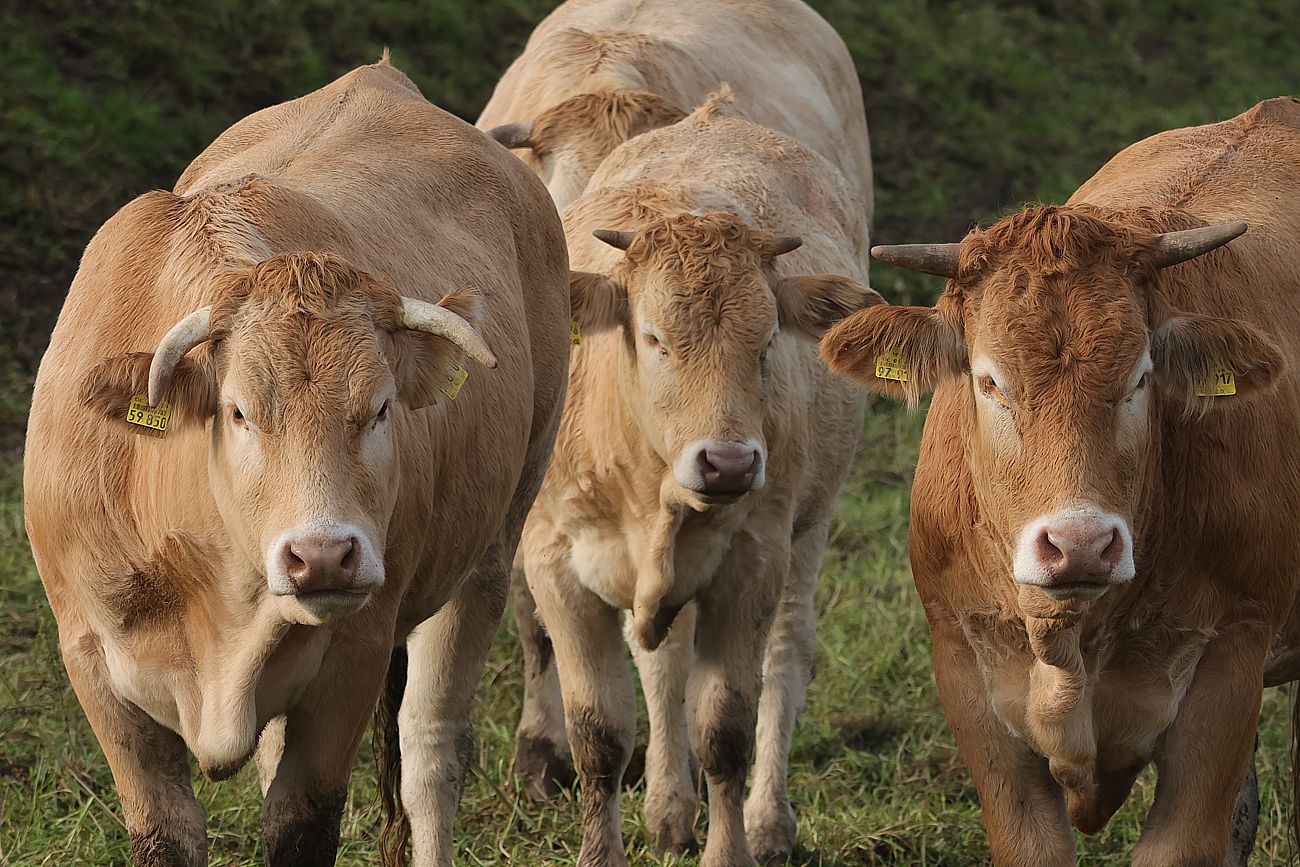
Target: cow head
(1055, 328)
(303, 365)
(700, 308)
(567, 142)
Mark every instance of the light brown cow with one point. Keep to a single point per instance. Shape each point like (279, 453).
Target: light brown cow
(597, 72)
(314, 501)
(1103, 525)
(701, 449)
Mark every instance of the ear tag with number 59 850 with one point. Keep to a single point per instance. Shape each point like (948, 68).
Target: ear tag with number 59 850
(154, 418)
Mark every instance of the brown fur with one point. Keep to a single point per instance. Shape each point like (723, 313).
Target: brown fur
(1065, 300)
(156, 547)
(596, 73)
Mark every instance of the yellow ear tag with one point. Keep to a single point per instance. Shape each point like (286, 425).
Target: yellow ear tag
(152, 417)
(455, 379)
(892, 365)
(575, 333)
(1217, 383)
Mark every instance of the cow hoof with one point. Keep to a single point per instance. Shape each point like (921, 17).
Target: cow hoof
(546, 769)
(771, 837)
(667, 842)
(602, 854)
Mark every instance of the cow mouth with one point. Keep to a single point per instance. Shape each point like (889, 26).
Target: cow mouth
(334, 602)
(1074, 590)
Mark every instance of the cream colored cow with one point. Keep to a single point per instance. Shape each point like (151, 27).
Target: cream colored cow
(597, 72)
(702, 446)
(305, 304)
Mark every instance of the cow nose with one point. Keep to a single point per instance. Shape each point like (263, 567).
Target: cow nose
(314, 561)
(1079, 551)
(728, 468)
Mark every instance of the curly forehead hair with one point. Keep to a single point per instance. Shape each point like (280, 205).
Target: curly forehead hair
(1058, 239)
(702, 249)
(308, 283)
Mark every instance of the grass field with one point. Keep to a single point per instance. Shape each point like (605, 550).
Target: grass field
(974, 106)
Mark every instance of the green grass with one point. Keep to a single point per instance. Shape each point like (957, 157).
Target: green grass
(974, 106)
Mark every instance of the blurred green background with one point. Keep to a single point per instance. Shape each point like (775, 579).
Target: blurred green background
(974, 107)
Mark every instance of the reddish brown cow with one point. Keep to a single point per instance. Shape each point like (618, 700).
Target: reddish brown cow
(1103, 522)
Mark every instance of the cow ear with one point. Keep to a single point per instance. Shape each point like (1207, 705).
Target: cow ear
(1205, 361)
(899, 351)
(813, 303)
(191, 395)
(598, 303)
(429, 364)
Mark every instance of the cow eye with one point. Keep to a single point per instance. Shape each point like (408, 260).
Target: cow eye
(655, 343)
(383, 412)
(989, 388)
(237, 416)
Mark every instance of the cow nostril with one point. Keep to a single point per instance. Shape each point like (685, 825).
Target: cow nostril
(703, 464)
(1114, 548)
(294, 564)
(350, 557)
(1049, 553)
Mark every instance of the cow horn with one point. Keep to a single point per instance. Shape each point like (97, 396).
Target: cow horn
(183, 336)
(621, 240)
(937, 259)
(435, 319)
(782, 244)
(1175, 247)
(513, 135)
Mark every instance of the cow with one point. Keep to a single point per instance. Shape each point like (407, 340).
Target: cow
(344, 335)
(700, 453)
(594, 74)
(598, 72)
(1103, 524)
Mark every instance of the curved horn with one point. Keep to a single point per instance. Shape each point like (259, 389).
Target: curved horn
(937, 259)
(435, 319)
(1175, 247)
(614, 238)
(782, 244)
(183, 336)
(513, 135)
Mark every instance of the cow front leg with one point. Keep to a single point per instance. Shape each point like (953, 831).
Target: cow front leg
(1245, 818)
(1022, 805)
(318, 742)
(149, 764)
(724, 687)
(542, 754)
(1205, 755)
(446, 657)
(599, 701)
(787, 668)
(671, 800)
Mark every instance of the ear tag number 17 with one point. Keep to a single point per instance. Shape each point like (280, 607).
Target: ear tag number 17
(893, 365)
(1218, 382)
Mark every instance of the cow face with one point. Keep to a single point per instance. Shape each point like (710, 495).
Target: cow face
(1056, 332)
(702, 314)
(567, 142)
(308, 367)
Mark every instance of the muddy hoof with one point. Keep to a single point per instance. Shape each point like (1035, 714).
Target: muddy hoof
(546, 769)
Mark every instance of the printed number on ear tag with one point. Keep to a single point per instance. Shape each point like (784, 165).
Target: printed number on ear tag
(575, 333)
(455, 379)
(152, 417)
(1217, 383)
(892, 365)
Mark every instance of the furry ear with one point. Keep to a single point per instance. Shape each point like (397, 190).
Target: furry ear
(191, 393)
(813, 303)
(899, 351)
(1190, 349)
(427, 364)
(599, 303)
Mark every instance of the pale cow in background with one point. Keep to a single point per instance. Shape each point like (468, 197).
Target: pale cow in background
(598, 72)
(702, 448)
(304, 307)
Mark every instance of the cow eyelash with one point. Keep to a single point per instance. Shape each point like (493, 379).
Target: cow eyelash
(989, 388)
